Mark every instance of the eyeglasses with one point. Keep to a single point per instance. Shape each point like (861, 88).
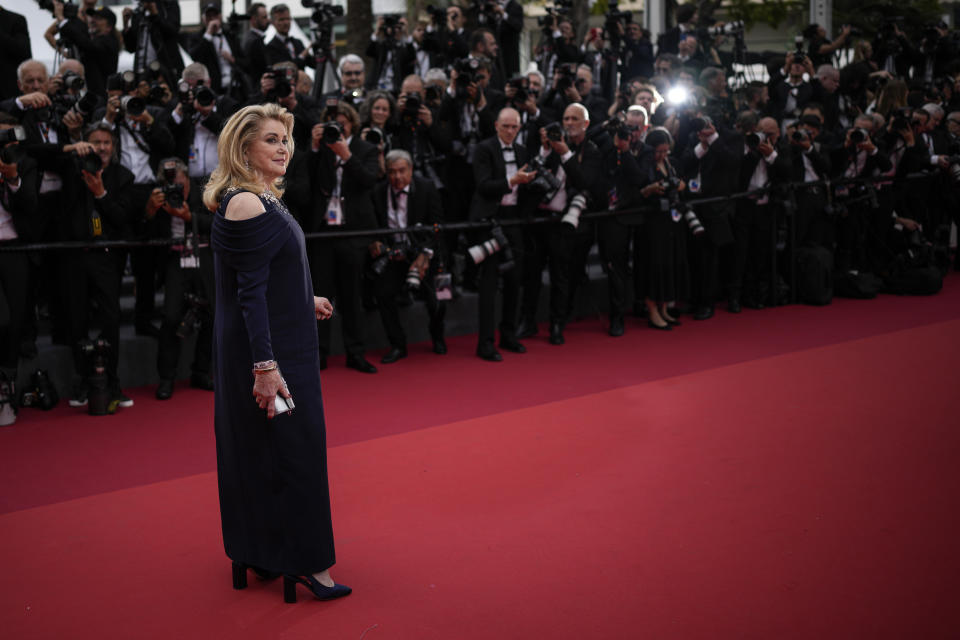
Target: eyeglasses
(351, 73)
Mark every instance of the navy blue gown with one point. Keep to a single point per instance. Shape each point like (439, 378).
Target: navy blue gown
(274, 497)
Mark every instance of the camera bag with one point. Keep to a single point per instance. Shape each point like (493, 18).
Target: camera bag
(814, 275)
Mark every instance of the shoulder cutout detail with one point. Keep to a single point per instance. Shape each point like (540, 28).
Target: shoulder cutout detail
(244, 206)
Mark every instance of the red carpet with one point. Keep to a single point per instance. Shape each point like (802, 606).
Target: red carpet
(763, 476)
(154, 441)
(821, 505)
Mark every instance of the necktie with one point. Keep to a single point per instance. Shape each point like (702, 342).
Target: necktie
(395, 198)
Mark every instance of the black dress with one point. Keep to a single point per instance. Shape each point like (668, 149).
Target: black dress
(274, 498)
(664, 246)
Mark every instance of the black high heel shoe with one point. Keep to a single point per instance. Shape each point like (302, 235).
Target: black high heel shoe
(240, 574)
(665, 327)
(319, 591)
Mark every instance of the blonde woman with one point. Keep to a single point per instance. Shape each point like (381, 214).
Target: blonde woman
(271, 459)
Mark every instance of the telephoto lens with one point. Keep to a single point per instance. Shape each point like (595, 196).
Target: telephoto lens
(554, 131)
(91, 163)
(754, 139)
(859, 135)
(572, 216)
(693, 222)
(413, 278)
(133, 105)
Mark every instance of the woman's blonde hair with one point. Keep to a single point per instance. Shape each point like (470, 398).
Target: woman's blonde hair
(238, 134)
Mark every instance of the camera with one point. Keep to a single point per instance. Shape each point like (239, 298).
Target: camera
(11, 154)
(411, 108)
(438, 15)
(91, 163)
(72, 81)
(576, 206)
(546, 182)
(567, 76)
(859, 135)
(799, 54)
(753, 140)
(133, 105)
(41, 393)
(284, 80)
(619, 128)
(497, 242)
(95, 354)
(799, 135)
(466, 74)
(519, 85)
(554, 132)
(324, 12)
(900, 120)
(374, 135)
(85, 105)
(700, 123)
(400, 251)
(433, 92)
(197, 310)
(332, 132)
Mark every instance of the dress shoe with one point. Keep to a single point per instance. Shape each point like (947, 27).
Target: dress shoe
(319, 591)
(754, 303)
(666, 326)
(393, 355)
(528, 328)
(164, 389)
(201, 381)
(439, 346)
(512, 345)
(489, 354)
(703, 313)
(360, 364)
(556, 333)
(616, 326)
(733, 305)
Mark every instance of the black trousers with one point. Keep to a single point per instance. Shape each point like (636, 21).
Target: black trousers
(580, 244)
(91, 281)
(336, 267)
(14, 286)
(812, 224)
(145, 262)
(177, 283)
(614, 253)
(546, 245)
(704, 271)
(386, 288)
(753, 248)
(490, 276)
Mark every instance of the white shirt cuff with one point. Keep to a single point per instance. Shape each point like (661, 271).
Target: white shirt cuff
(770, 159)
(566, 156)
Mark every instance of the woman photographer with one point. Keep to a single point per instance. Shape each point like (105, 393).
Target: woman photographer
(377, 122)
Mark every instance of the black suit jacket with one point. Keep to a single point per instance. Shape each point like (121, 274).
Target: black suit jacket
(779, 93)
(490, 178)
(276, 51)
(356, 188)
(14, 49)
(508, 36)
(114, 208)
(255, 52)
(204, 52)
(158, 137)
(164, 29)
(718, 170)
(404, 59)
(98, 54)
(423, 208)
(22, 203)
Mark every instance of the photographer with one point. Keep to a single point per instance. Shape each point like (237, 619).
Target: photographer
(761, 166)
(15, 47)
(575, 163)
(669, 40)
(254, 48)
(500, 169)
(518, 95)
(393, 56)
(862, 226)
(18, 216)
(142, 139)
(484, 46)
(150, 33)
(808, 163)
(283, 47)
(821, 50)
(558, 45)
(197, 119)
(789, 96)
(177, 208)
(619, 190)
(279, 84)
(220, 53)
(352, 81)
(406, 260)
(446, 38)
(507, 24)
(710, 170)
(97, 45)
(101, 191)
(344, 172)
(892, 51)
(419, 132)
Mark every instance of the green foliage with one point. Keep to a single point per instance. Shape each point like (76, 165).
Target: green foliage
(771, 12)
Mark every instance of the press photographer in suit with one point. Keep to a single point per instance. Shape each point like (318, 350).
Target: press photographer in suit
(284, 47)
(162, 19)
(91, 278)
(177, 207)
(345, 170)
(711, 170)
(403, 201)
(220, 52)
(500, 168)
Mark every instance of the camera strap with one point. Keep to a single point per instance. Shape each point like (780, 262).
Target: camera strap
(137, 138)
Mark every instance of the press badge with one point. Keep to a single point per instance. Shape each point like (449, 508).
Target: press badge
(96, 225)
(189, 262)
(443, 285)
(694, 185)
(612, 199)
(334, 212)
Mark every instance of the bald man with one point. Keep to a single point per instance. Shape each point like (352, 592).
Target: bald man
(500, 171)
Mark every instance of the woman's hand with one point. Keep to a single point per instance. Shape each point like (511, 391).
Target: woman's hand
(323, 308)
(266, 386)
